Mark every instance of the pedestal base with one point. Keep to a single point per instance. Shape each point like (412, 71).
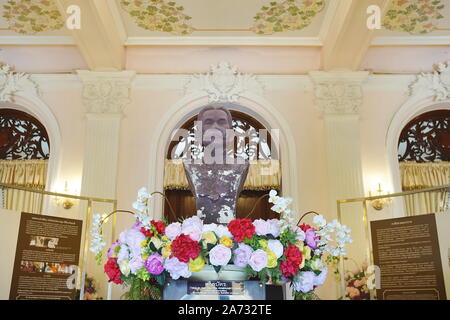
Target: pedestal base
(214, 290)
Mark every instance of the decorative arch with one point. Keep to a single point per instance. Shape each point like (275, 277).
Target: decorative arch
(223, 84)
(428, 92)
(20, 92)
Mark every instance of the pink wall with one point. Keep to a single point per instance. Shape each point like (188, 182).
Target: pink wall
(197, 59)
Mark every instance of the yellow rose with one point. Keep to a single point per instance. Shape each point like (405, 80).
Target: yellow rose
(300, 245)
(227, 242)
(197, 264)
(144, 243)
(263, 243)
(156, 242)
(209, 237)
(164, 238)
(306, 253)
(271, 259)
(167, 250)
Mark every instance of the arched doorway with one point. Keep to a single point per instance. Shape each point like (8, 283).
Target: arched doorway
(424, 160)
(255, 145)
(24, 154)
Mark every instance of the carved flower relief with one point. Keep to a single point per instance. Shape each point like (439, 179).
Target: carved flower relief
(287, 15)
(158, 15)
(413, 16)
(32, 16)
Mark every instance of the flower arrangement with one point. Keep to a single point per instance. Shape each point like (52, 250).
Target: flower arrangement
(275, 251)
(357, 283)
(90, 289)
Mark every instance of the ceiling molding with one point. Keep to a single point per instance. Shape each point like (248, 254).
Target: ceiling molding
(411, 41)
(161, 82)
(21, 40)
(224, 41)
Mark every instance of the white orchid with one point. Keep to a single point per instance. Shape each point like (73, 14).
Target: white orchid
(97, 243)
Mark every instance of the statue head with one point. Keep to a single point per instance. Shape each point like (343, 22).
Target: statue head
(215, 119)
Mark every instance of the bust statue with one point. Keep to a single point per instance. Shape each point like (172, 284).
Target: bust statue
(217, 180)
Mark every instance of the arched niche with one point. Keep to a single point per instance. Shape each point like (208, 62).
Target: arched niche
(250, 103)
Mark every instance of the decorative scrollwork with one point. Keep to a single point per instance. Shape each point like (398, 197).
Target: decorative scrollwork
(426, 138)
(22, 136)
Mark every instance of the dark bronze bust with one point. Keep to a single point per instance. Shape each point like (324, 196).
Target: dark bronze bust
(217, 180)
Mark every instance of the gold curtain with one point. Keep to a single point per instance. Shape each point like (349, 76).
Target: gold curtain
(24, 173)
(425, 175)
(262, 175)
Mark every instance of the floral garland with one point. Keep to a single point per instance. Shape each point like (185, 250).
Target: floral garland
(413, 16)
(158, 15)
(32, 16)
(287, 15)
(276, 250)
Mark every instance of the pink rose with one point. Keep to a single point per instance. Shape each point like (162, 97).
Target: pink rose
(274, 227)
(220, 255)
(262, 227)
(193, 227)
(258, 260)
(173, 230)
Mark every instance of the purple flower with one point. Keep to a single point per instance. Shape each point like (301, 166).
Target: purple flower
(133, 238)
(154, 264)
(137, 226)
(320, 279)
(258, 260)
(173, 230)
(304, 281)
(135, 264)
(111, 251)
(177, 269)
(311, 238)
(219, 255)
(242, 254)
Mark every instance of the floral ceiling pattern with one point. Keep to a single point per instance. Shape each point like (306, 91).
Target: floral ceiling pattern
(413, 16)
(287, 15)
(32, 16)
(158, 15)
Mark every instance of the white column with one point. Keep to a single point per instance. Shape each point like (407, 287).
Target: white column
(338, 95)
(105, 95)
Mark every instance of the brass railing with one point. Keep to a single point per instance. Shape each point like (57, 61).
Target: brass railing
(90, 201)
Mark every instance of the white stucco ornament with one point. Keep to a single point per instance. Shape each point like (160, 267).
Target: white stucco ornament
(12, 82)
(436, 83)
(224, 83)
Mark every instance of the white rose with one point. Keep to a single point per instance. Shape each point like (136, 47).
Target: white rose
(124, 266)
(276, 247)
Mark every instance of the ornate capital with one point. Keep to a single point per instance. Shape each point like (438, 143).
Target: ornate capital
(338, 92)
(106, 92)
(12, 82)
(435, 83)
(224, 83)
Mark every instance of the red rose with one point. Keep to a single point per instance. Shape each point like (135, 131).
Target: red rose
(305, 227)
(293, 254)
(113, 271)
(241, 229)
(157, 228)
(184, 248)
(288, 268)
